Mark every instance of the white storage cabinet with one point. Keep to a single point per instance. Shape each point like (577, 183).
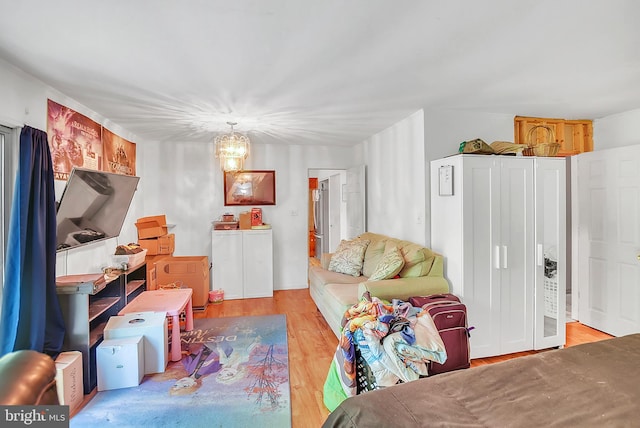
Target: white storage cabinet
(500, 223)
(243, 263)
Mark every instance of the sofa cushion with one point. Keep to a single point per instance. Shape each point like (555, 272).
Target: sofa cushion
(320, 276)
(373, 255)
(389, 265)
(349, 257)
(343, 294)
(417, 259)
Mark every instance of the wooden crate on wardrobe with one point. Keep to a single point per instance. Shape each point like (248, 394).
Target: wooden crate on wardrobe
(574, 136)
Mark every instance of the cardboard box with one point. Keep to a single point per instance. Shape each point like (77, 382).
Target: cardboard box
(152, 277)
(187, 272)
(245, 220)
(69, 380)
(152, 326)
(152, 227)
(120, 363)
(161, 245)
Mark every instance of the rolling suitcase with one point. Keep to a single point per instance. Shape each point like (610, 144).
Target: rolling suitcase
(450, 318)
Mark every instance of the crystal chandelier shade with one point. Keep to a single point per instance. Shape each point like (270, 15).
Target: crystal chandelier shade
(232, 149)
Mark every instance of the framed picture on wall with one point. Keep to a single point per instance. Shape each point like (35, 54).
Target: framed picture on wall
(249, 188)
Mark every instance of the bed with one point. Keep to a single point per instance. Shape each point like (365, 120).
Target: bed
(594, 384)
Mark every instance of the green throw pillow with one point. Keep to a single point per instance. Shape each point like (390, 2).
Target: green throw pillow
(389, 266)
(349, 257)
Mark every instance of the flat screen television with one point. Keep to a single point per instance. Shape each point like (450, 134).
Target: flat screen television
(93, 207)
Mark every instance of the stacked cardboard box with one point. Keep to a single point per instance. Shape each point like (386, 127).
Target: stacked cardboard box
(154, 236)
(187, 272)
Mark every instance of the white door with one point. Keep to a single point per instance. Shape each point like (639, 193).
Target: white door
(608, 189)
(476, 180)
(355, 190)
(551, 258)
(515, 250)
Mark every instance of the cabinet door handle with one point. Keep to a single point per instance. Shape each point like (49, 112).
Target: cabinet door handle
(540, 255)
(504, 256)
(496, 256)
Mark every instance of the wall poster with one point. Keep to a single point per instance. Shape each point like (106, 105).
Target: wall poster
(119, 154)
(74, 140)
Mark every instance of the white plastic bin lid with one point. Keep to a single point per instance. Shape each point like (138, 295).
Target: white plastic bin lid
(136, 319)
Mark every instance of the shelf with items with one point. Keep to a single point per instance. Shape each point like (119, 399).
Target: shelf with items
(87, 302)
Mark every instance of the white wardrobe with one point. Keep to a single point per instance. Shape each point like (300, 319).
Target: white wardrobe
(242, 263)
(500, 223)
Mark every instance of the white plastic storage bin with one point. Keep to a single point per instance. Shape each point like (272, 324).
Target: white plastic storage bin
(153, 327)
(120, 363)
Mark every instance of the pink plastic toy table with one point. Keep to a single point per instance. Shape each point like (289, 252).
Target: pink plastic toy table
(171, 301)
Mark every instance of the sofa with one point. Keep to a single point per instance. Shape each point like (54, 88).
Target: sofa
(386, 267)
(27, 378)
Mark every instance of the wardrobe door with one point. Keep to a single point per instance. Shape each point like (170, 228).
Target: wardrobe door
(551, 260)
(516, 256)
(480, 249)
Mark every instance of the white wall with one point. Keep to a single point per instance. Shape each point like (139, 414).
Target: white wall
(184, 181)
(24, 101)
(617, 130)
(396, 191)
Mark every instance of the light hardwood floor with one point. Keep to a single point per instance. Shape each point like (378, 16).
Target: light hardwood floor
(312, 344)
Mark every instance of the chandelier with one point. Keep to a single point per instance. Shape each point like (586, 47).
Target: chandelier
(232, 149)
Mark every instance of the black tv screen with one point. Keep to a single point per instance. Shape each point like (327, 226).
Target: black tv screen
(93, 207)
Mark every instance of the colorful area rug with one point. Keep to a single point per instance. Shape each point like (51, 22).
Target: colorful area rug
(234, 373)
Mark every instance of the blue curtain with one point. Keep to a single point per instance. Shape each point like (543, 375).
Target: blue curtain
(31, 314)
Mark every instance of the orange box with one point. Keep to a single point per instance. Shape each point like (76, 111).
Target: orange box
(245, 220)
(186, 272)
(152, 227)
(161, 245)
(256, 216)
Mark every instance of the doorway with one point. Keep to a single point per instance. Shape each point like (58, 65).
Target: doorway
(327, 210)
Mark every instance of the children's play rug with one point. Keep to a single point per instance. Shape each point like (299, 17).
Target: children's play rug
(234, 373)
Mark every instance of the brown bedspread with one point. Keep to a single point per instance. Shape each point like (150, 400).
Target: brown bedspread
(590, 385)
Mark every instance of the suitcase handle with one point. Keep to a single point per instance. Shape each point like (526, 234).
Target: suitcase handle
(438, 296)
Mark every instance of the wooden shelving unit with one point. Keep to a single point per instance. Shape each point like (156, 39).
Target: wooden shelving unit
(87, 303)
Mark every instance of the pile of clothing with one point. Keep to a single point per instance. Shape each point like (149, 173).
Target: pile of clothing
(395, 341)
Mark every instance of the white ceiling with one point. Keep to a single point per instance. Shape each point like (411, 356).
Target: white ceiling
(325, 71)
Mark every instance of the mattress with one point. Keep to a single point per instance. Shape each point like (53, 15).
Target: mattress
(595, 384)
